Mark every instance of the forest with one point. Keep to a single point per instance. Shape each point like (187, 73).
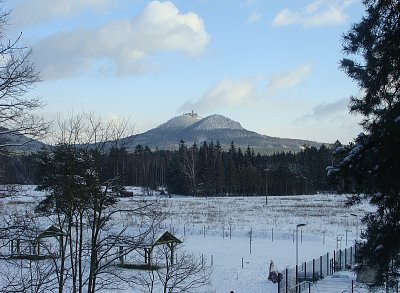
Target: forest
(205, 170)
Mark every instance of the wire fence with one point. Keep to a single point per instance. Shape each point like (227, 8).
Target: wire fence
(297, 279)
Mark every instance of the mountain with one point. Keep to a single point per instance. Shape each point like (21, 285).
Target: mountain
(18, 143)
(193, 129)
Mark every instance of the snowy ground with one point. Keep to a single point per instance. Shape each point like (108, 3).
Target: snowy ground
(219, 229)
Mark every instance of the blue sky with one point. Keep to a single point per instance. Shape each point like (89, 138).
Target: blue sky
(271, 65)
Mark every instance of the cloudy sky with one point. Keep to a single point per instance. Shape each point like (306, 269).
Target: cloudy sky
(271, 65)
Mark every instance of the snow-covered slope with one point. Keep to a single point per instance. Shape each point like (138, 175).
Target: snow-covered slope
(216, 122)
(179, 122)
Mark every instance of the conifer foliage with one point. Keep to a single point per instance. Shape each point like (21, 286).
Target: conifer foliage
(371, 165)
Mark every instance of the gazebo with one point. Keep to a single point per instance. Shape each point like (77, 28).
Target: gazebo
(166, 238)
(134, 240)
(30, 242)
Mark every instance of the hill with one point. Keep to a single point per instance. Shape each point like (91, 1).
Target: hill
(193, 129)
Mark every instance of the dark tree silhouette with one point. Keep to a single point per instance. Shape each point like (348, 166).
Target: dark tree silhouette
(371, 165)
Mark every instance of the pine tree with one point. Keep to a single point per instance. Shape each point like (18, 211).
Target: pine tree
(373, 162)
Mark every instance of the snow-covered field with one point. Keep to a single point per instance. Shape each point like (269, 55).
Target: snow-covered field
(219, 229)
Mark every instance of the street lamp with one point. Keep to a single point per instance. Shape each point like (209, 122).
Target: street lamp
(266, 186)
(297, 242)
(356, 215)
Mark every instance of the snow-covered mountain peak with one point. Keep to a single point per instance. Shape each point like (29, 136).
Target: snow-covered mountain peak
(216, 121)
(180, 122)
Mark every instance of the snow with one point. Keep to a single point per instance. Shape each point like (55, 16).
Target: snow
(218, 230)
(179, 122)
(216, 122)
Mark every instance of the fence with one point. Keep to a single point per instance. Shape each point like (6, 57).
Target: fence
(298, 278)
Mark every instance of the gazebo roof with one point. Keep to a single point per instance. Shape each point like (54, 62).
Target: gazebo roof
(142, 238)
(166, 237)
(30, 232)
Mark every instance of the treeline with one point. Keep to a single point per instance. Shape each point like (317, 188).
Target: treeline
(204, 170)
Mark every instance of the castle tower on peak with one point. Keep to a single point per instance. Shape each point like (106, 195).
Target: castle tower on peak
(192, 114)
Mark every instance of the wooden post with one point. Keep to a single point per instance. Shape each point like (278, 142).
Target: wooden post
(313, 270)
(251, 233)
(272, 235)
(334, 261)
(286, 280)
(320, 267)
(351, 255)
(327, 264)
(171, 247)
(121, 255)
(305, 271)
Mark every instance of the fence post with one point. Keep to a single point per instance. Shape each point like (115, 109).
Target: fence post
(327, 264)
(320, 267)
(305, 271)
(334, 261)
(272, 234)
(351, 255)
(355, 251)
(297, 276)
(313, 270)
(340, 259)
(286, 280)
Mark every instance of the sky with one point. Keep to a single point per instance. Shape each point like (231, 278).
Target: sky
(271, 65)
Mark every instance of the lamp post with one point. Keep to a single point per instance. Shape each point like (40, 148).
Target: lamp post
(356, 215)
(297, 242)
(266, 186)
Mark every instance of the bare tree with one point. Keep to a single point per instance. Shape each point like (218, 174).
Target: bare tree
(183, 273)
(19, 123)
(28, 270)
(86, 207)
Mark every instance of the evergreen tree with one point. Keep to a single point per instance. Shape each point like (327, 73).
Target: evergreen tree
(373, 162)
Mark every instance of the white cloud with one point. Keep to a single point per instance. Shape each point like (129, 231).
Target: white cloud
(122, 46)
(29, 12)
(284, 81)
(255, 16)
(226, 93)
(248, 2)
(323, 110)
(328, 120)
(317, 13)
(247, 91)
